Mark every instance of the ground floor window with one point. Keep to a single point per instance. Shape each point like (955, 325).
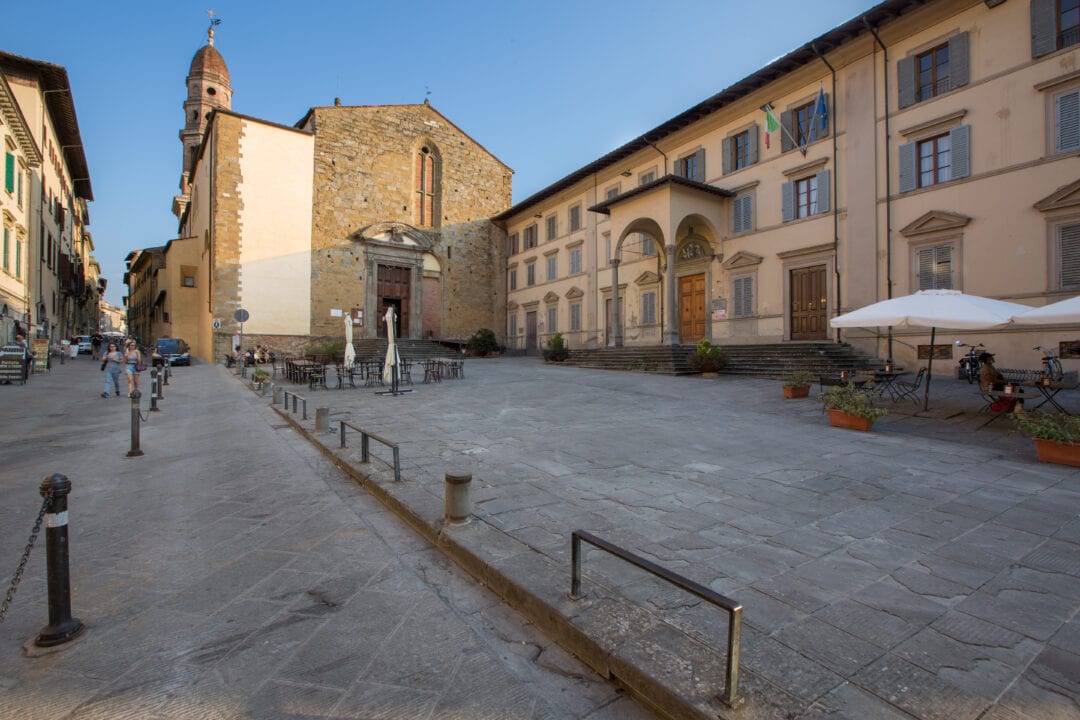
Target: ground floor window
(648, 308)
(934, 267)
(575, 316)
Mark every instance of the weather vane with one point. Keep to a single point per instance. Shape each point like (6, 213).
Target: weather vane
(210, 31)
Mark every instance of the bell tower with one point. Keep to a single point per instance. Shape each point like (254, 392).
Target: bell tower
(208, 88)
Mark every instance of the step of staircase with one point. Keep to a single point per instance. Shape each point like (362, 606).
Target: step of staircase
(765, 360)
(407, 348)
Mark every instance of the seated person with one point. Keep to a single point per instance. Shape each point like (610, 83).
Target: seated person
(992, 381)
(249, 357)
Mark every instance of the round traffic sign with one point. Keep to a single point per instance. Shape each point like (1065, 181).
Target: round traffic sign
(241, 315)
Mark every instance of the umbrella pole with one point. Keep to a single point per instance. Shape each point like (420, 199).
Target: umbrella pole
(929, 371)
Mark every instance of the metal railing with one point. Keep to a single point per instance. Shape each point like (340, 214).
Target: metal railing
(365, 437)
(295, 397)
(734, 609)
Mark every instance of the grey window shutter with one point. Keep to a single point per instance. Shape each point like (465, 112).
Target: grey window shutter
(748, 213)
(754, 130)
(908, 155)
(1069, 237)
(1068, 119)
(824, 190)
(905, 80)
(960, 141)
(736, 216)
(786, 131)
(726, 159)
(958, 61)
(747, 296)
(1043, 27)
(700, 175)
(787, 201)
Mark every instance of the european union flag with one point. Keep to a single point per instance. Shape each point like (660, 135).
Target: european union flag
(820, 110)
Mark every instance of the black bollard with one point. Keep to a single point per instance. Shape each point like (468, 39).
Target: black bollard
(62, 627)
(135, 451)
(168, 368)
(153, 389)
(160, 383)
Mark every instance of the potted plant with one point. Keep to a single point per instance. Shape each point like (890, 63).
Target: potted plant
(556, 350)
(259, 377)
(850, 407)
(706, 359)
(797, 383)
(484, 343)
(1056, 435)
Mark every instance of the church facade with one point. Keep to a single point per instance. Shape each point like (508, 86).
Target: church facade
(352, 210)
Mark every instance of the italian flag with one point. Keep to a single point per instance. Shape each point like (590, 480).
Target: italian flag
(771, 124)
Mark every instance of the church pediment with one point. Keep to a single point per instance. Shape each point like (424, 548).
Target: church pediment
(935, 221)
(394, 233)
(647, 278)
(1065, 196)
(574, 293)
(743, 259)
(512, 306)
(551, 297)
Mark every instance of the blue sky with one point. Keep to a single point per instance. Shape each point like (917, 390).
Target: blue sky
(547, 86)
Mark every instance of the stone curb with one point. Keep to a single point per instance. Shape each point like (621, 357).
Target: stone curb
(673, 674)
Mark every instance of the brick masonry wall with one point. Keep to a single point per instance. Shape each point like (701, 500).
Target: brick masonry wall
(364, 174)
(227, 232)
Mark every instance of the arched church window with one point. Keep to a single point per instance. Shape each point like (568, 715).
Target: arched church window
(426, 184)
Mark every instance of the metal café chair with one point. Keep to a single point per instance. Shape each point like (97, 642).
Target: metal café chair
(909, 389)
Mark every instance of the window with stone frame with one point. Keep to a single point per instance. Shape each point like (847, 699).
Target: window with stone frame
(7, 250)
(742, 213)
(692, 167)
(742, 296)
(1067, 120)
(552, 223)
(552, 318)
(648, 247)
(512, 245)
(806, 196)
(934, 267)
(611, 192)
(575, 261)
(740, 150)
(1068, 256)
(930, 72)
(1055, 24)
(530, 274)
(575, 218)
(18, 258)
(528, 236)
(648, 308)
(935, 160)
(512, 325)
(426, 188)
(552, 268)
(513, 279)
(575, 316)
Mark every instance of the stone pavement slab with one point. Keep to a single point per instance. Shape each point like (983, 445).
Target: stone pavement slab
(919, 570)
(232, 572)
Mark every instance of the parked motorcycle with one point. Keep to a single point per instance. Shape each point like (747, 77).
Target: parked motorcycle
(969, 362)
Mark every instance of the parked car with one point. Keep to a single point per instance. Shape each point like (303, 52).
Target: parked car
(86, 346)
(174, 350)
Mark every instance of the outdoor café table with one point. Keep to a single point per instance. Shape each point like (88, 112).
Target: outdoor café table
(1049, 391)
(883, 382)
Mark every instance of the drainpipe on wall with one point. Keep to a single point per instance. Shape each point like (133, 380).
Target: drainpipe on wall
(835, 181)
(888, 185)
(669, 276)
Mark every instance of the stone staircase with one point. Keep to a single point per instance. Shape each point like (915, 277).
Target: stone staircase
(771, 361)
(411, 349)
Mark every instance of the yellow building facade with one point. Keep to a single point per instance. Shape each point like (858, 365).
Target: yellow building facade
(923, 145)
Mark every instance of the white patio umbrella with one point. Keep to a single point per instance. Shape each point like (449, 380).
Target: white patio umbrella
(1066, 311)
(350, 351)
(392, 358)
(950, 309)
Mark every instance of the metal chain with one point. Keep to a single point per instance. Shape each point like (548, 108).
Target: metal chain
(26, 555)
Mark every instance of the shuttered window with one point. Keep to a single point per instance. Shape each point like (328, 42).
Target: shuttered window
(528, 236)
(9, 172)
(575, 316)
(935, 267)
(530, 274)
(513, 325)
(648, 308)
(575, 218)
(936, 160)
(7, 250)
(575, 261)
(926, 75)
(552, 273)
(552, 226)
(1069, 256)
(740, 150)
(692, 167)
(18, 258)
(1055, 24)
(513, 279)
(552, 316)
(742, 297)
(512, 245)
(742, 214)
(1067, 106)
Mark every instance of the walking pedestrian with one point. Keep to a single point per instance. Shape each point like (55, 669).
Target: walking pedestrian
(113, 363)
(133, 362)
(95, 343)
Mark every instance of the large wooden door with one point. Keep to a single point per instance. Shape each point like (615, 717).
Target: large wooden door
(530, 330)
(808, 303)
(394, 289)
(691, 308)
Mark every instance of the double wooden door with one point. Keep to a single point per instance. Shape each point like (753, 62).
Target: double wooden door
(691, 308)
(809, 302)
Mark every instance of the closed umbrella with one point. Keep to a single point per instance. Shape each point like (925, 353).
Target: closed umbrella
(949, 309)
(1066, 311)
(350, 351)
(392, 358)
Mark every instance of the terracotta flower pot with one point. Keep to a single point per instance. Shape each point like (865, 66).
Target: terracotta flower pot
(797, 391)
(1060, 453)
(841, 419)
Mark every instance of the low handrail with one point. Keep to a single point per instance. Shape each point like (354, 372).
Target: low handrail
(734, 609)
(365, 435)
(295, 397)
